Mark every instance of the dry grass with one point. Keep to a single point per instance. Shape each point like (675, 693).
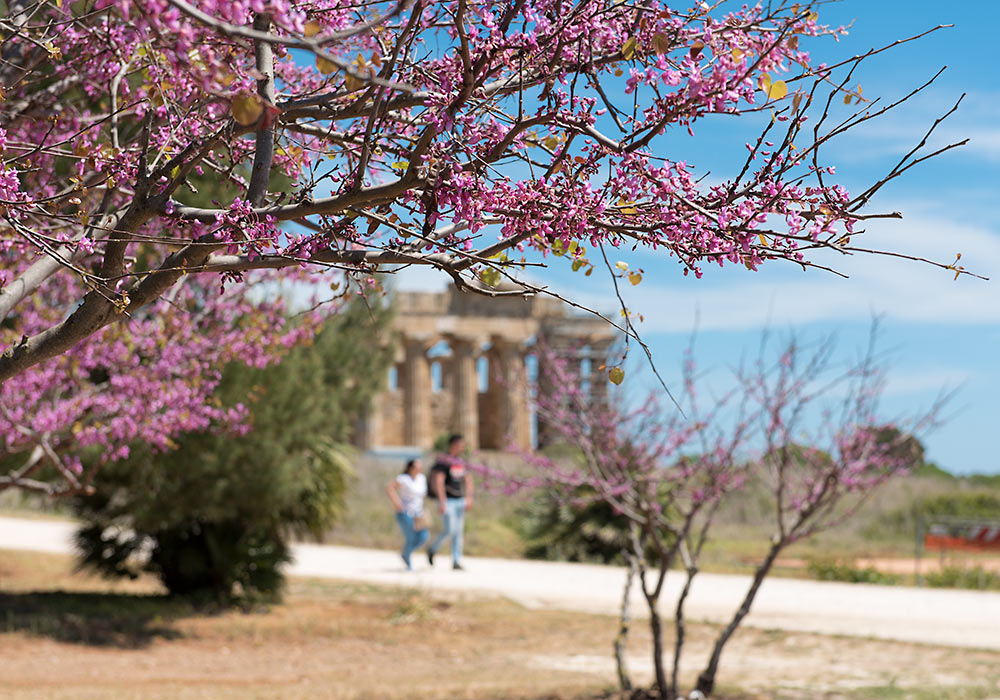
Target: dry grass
(69, 635)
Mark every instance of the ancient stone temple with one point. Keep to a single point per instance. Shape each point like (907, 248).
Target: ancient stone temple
(463, 363)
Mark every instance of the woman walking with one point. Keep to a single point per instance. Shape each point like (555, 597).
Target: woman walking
(407, 492)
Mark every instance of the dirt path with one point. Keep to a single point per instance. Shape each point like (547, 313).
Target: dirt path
(969, 619)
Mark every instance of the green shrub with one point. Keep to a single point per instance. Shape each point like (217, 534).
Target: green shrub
(962, 504)
(834, 569)
(976, 578)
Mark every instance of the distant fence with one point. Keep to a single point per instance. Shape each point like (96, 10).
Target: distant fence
(963, 534)
(942, 534)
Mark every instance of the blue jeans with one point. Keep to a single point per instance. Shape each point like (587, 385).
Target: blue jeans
(454, 527)
(412, 539)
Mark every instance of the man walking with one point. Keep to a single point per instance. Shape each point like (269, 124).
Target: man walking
(451, 485)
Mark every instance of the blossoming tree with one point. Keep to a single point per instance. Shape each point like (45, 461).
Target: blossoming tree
(473, 137)
(149, 380)
(811, 434)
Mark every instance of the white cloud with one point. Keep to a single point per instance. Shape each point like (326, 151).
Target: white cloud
(420, 278)
(926, 380)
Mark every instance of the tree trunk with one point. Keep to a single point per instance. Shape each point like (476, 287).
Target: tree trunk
(706, 681)
(679, 630)
(624, 620)
(656, 627)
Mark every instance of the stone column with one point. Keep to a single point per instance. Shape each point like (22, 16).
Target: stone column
(370, 425)
(565, 351)
(465, 388)
(598, 377)
(515, 418)
(417, 395)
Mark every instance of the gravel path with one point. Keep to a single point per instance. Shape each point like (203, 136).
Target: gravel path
(933, 616)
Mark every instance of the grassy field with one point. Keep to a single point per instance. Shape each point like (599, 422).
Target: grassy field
(68, 635)
(881, 531)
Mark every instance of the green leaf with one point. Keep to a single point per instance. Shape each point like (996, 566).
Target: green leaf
(490, 277)
(616, 375)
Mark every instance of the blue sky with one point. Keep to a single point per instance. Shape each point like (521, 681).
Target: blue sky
(938, 332)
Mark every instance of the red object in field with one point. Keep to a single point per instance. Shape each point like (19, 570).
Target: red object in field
(977, 538)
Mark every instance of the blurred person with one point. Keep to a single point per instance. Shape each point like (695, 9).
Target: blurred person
(451, 485)
(407, 493)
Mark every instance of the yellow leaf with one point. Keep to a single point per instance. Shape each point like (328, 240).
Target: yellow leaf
(400, 165)
(246, 107)
(324, 66)
(763, 240)
(628, 48)
(311, 29)
(352, 83)
(621, 265)
(777, 90)
(737, 54)
(551, 142)
(616, 375)
(618, 72)
(661, 44)
(764, 81)
(635, 278)
(797, 100)
(55, 53)
(626, 207)
(847, 99)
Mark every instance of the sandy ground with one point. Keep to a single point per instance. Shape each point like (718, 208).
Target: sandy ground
(968, 619)
(341, 640)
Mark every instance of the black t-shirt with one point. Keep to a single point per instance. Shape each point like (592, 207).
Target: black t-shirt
(454, 476)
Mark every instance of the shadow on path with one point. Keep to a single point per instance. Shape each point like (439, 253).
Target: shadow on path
(123, 620)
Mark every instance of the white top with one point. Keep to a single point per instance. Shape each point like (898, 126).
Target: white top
(412, 492)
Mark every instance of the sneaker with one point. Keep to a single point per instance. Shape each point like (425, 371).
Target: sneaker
(430, 557)
(457, 567)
